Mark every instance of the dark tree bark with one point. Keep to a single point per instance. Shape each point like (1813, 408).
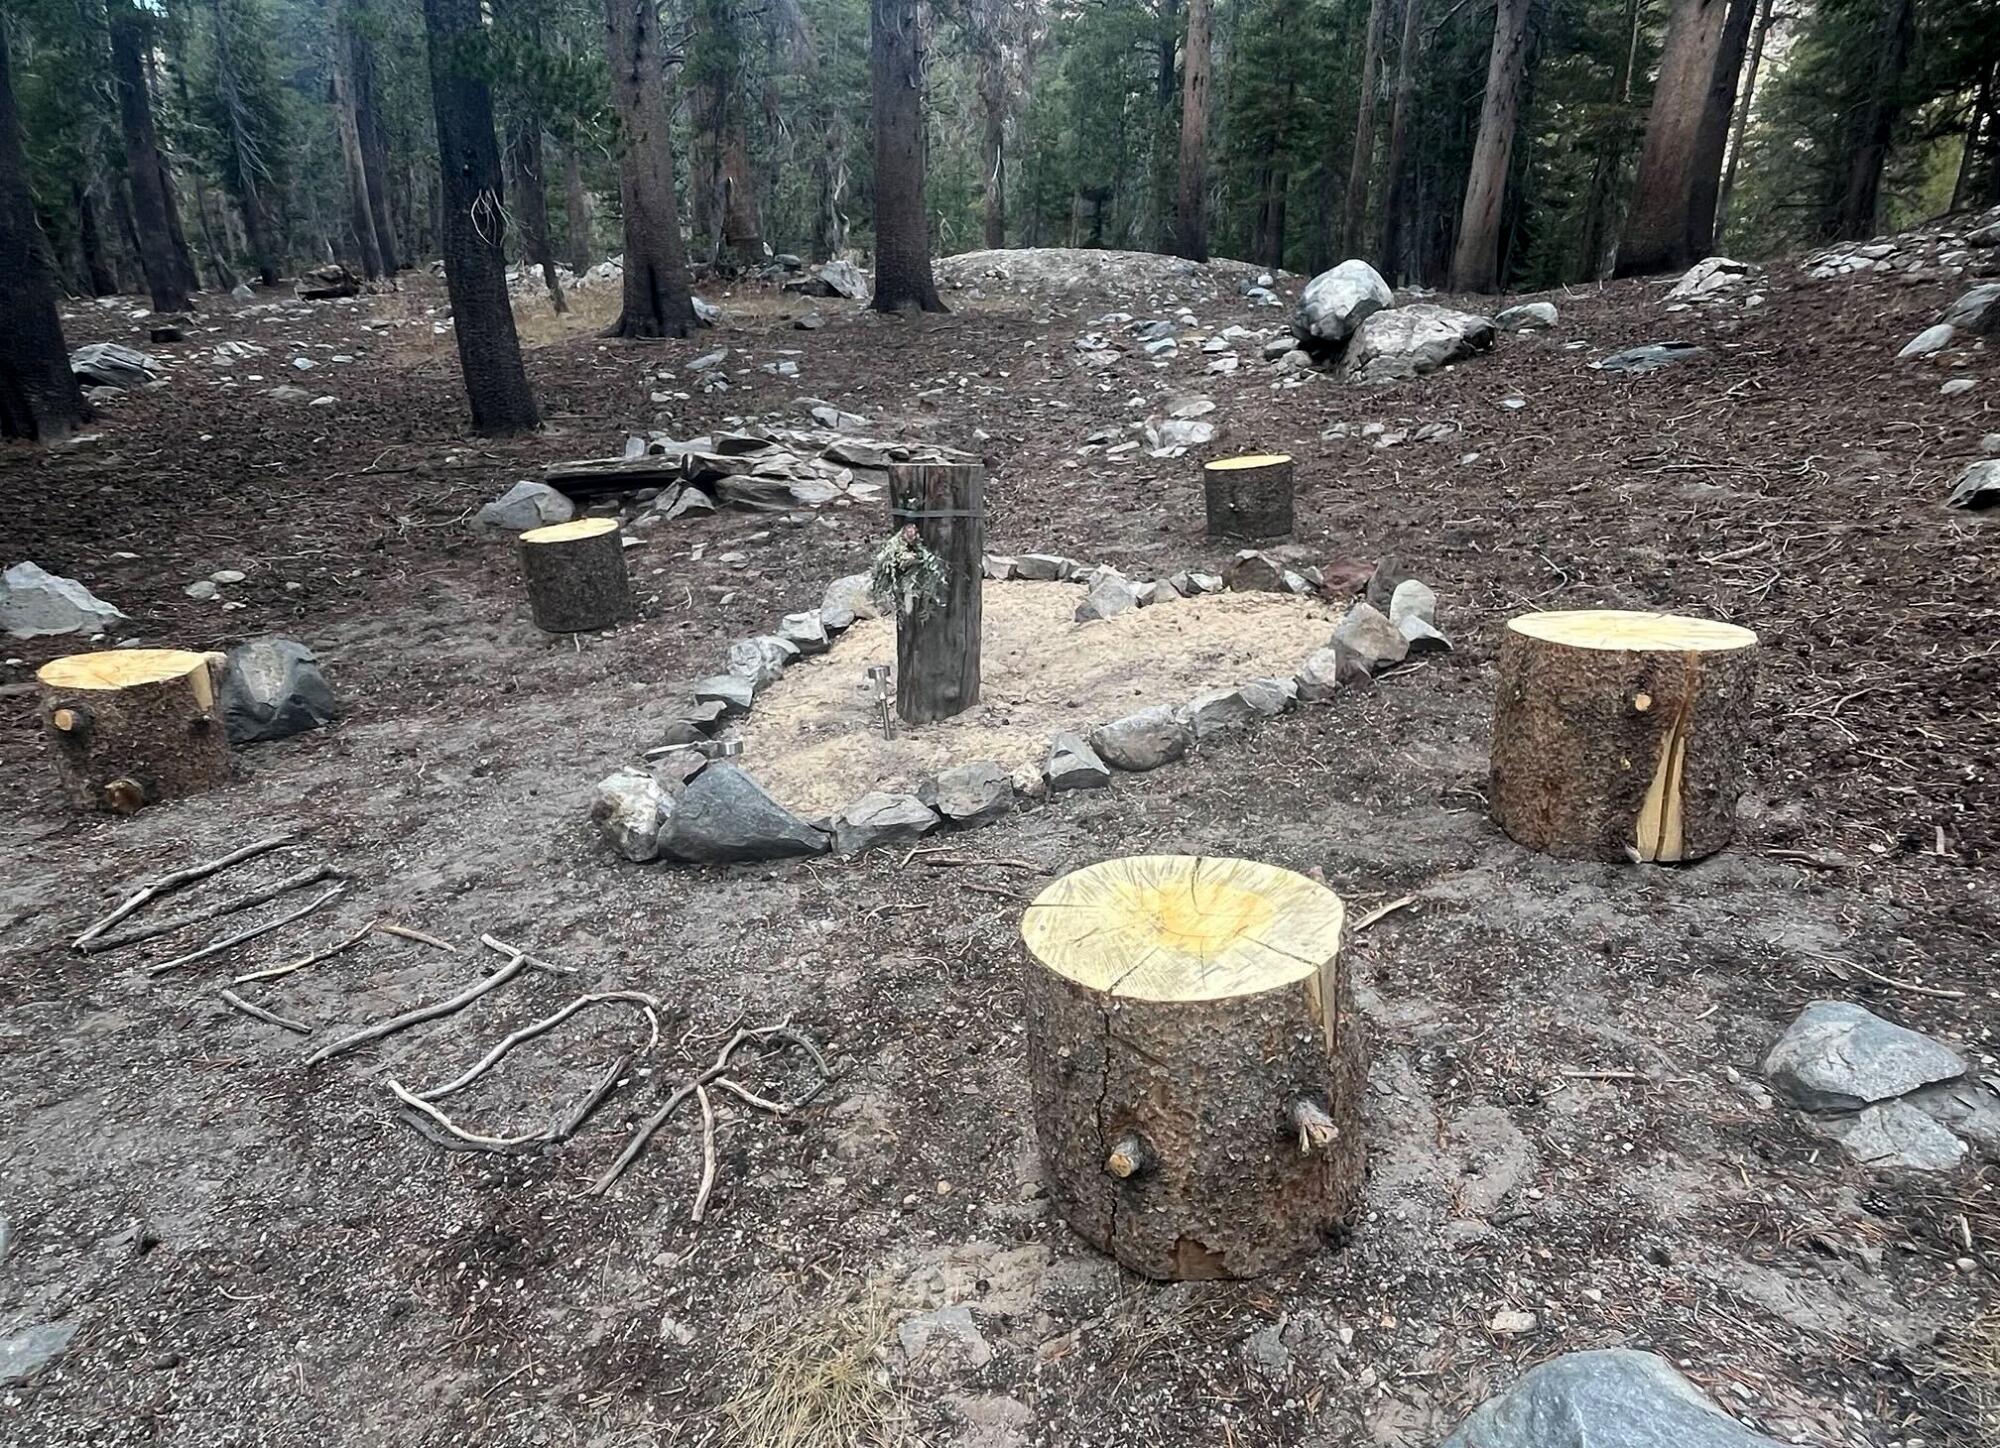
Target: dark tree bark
(1742, 126)
(250, 172)
(1267, 244)
(902, 229)
(1476, 265)
(525, 165)
(576, 208)
(1609, 161)
(97, 269)
(992, 84)
(1977, 126)
(658, 296)
(155, 225)
(1197, 66)
(1875, 124)
(1360, 169)
(360, 205)
(1672, 224)
(475, 221)
(39, 398)
(1396, 198)
(374, 145)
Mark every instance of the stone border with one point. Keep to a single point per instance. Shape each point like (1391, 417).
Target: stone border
(693, 806)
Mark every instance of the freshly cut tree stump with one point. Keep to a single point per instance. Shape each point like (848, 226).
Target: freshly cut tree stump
(1196, 1062)
(1249, 497)
(576, 576)
(1619, 735)
(937, 644)
(130, 727)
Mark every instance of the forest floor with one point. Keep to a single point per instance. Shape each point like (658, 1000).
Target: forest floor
(1564, 1117)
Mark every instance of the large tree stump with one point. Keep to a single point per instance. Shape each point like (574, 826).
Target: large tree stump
(1620, 735)
(1196, 1062)
(937, 641)
(575, 573)
(1249, 497)
(130, 727)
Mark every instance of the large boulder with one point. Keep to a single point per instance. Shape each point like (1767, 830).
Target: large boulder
(1838, 1057)
(108, 364)
(845, 279)
(1411, 341)
(725, 816)
(1141, 741)
(1978, 310)
(1336, 302)
(272, 689)
(35, 603)
(1612, 1398)
(525, 505)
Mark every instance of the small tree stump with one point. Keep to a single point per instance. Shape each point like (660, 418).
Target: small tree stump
(1620, 735)
(937, 644)
(575, 573)
(1196, 1062)
(1249, 497)
(130, 727)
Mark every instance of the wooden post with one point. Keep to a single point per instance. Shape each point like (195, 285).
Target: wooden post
(1249, 497)
(575, 573)
(1620, 735)
(937, 644)
(129, 727)
(1196, 1062)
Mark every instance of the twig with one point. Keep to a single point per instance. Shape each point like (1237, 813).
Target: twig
(417, 1103)
(195, 917)
(959, 860)
(533, 964)
(431, 1132)
(260, 1014)
(1909, 985)
(417, 935)
(978, 889)
(174, 881)
(1381, 910)
(1605, 1076)
(648, 1006)
(417, 1017)
(231, 942)
(571, 1124)
(314, 959)
(707, 1153)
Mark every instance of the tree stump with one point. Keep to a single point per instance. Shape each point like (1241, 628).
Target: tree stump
(1620, 735)
(937, 641)
(1249, 497)
(1196, 1063)
(575, 573)
(130, 727)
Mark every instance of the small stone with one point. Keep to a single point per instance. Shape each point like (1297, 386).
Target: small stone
(525, 505)
(1971, 1109)
(1527, 317)
(1073, 764)
(1928, 342)
(1896, 1136)
(692, 722)
(996, 567)
(726, 816)
(1611, 1398)
(762, 660)
(1514, 1323)
(1422, 638)
(804, 632)
(970, 795)
(1214, 711)
(732, 691)
(1269, 697)
(227, 575)
(880, 818)
(1956, 386)
(1412, 599)
(1978, 486)
(1319, 676)
(1141, 741)
(1649, 358)
(1199, 582)
(1253, 571)
(1370, 637)
(1838, 1057)
(846, 600)
(1045, 567)
(1109, 598)
(202, 589)
(630, 809)
(27, 1352)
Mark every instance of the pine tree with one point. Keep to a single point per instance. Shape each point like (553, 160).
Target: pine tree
(902, 224)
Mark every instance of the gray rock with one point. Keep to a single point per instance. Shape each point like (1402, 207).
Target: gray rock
(1838, 1057)
(693, 722)
(1337, 301)
(1151, 592)
(1895, 1136)
(708, 361)
(525, 505)
(1957, 385)
(1277, 347)
(272, 689)
(1527, 317)
(953, 1325)
(970, 795)
(110, 364)
(1269, 697)
(879, 818)
(241, 292)
(1319, 676)
(732, 691)
(1045, 567)
(1252, 571)
(1412, 599)
(1978, 310)
(761, 660)
(725, 815)
(1141, 741)
(1971, 1109)
(29, 1351)
(846, 279)
(1369, 636)
(846, 600)
(1107, 599)
(804, 632)
(1210, 713)
(1199, 582)
(1180, 433)
(285, 392)
(1421, 637)
(1649, 358)
(1266, 1354)
(996, 566)
(203, 589)
(1612, 1398)
(35, 603)
(706, 313)
(810, 322)
(1412, 341)
(1978, 486)
(631, 809)
(1984, 236)
(1928, 342)
(1708, 278)
(1073, 764)
(686, 502)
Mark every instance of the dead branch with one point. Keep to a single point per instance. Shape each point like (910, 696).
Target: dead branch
(649, 1006)
(707, 1153)
(1381, 910)
(252, 933)
(434, 1134)
(416, 935)
(445, 1123)
(195, 917)
(176, 879)
(368, 1034)
(571, 1124)
(533, 964)
(314, 959)
(258, 1013)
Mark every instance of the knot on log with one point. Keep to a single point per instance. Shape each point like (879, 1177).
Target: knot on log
(1130, 1156)
(1316, 1129)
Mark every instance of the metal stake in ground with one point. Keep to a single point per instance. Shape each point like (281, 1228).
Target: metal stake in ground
(937, 641)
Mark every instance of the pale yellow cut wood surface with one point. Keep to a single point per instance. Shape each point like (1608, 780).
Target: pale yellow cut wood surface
(122, 668)
(1253, 460)
(1617, 628)
(569, 532)
(1183, 927)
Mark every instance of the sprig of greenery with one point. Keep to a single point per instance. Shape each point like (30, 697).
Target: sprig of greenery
(906, 576)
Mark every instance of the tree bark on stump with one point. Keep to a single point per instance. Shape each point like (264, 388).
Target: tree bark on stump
(937, 643)
(131, 727)
(1620, 735)
(1196, 1063)
(1249, 497)
(575, 576)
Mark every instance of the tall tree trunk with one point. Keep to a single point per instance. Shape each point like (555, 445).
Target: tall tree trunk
(1475, 267)
(359, 204)
(1267, 246)
(658, 296)
(1975, 127)
(1396, 198)
(531, 202)
(153, 219)
(97, 270)
(902, 228)
(1742, 125)
(475, 221)
(829, 237)
(250, 170)
(1355, 229)
(1601, 200)
(1191, 208)
(1672, 223)
(993, 129)
(374, 145)
(576, 208)
(1874, 126)
(39, 398)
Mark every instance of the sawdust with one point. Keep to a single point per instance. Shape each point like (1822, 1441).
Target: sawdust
(814, 739)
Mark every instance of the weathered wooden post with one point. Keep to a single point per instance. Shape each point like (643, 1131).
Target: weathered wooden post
(130, 727)
(575, 575)
(1248, 497)
(1196, 1062)
(937, 635)
(1620, 735)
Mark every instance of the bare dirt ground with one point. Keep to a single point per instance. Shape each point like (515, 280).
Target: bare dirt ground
(1564, 1117)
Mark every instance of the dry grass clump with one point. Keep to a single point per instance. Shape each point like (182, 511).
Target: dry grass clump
(821, 1380)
